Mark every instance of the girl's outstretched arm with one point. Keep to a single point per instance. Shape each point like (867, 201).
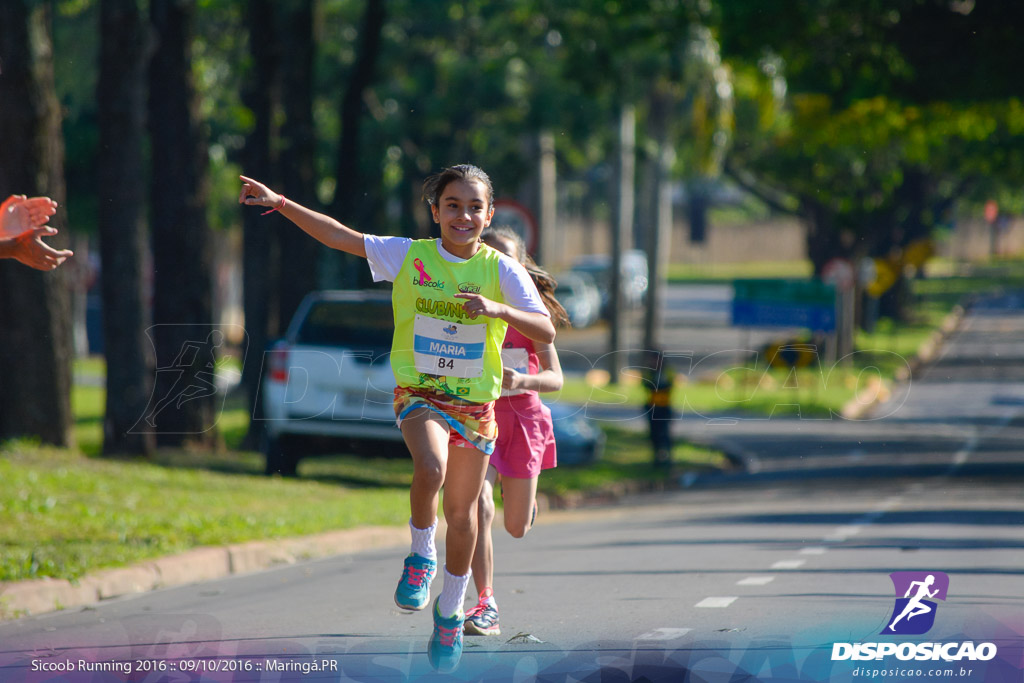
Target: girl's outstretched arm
(322, 228)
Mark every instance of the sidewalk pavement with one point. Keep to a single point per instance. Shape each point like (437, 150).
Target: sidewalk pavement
(40, 596)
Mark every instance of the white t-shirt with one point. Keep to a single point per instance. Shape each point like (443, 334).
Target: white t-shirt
(385, 254)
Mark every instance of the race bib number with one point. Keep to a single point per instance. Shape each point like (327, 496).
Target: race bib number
(441, 347)
(518, 360)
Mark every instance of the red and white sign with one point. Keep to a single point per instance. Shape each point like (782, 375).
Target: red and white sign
(991, 211)
(838, 272)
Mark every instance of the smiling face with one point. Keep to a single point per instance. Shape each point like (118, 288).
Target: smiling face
(463, 210)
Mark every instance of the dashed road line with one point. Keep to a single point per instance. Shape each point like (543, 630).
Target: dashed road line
(717, 602)
(664, 634)
(755, 581)
(788, 564)
(813, 550)
(844, 532)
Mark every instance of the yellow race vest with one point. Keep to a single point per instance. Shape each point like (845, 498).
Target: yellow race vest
(436, 345)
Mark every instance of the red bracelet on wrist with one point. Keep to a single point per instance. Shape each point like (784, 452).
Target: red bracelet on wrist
(276, 208)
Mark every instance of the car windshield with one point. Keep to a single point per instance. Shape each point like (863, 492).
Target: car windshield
(358, 324)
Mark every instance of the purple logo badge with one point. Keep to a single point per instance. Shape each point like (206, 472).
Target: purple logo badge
(914, 612)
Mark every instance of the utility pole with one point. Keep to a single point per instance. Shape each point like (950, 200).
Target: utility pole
(659, 242)
(622, 231)
(547, 197)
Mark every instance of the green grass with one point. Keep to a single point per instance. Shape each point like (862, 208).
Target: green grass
(705, 273)
(66, 513)
(69, 512)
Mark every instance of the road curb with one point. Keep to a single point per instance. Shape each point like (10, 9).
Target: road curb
(40, 596)
(879, 391)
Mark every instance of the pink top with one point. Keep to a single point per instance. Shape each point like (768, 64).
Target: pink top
(519, 353)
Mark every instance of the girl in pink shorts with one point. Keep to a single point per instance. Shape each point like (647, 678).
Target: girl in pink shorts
(526, 439)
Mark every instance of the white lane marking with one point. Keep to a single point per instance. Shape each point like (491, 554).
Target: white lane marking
(890, 502)
(788, 564)
(964, 453)
(813, 550)
(844, 532)
(755, 581)
(716, 602)
(664, 634)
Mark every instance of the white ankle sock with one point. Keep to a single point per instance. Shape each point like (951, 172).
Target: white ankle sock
(423, 541)
(487, 597)
(453, 593)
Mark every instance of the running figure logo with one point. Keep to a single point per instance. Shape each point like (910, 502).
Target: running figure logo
(914, 612)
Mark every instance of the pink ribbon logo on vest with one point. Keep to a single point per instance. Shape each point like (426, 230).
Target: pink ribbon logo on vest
(418, 265)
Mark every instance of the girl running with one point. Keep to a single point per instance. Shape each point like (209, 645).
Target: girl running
(526, 439)
(453, 299)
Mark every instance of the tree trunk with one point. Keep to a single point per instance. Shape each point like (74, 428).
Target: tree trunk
(35, 308)
(120, 95)
(299, 251)
(259, 243)
(184, 334)
(346, 204)
(823, 242)
(658, 225)
(352, 108)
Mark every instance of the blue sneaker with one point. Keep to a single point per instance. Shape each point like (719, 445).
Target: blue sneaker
(445, 647)
(413, 590)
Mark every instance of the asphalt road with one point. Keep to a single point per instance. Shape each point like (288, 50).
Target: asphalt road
(750, 576)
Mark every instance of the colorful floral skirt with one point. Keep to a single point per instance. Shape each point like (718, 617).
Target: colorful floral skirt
(471, 424)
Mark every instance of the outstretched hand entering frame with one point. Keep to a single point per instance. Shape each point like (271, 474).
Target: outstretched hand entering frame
(19, 214)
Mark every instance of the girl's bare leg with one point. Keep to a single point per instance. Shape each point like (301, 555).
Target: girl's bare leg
(520, 495)
(426, 435)
(467, 467)
(483, 555)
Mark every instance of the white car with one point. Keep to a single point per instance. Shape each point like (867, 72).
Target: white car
(330, 378)
(633, 280)
(581, 298)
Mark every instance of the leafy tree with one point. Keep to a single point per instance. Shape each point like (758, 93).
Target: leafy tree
(884, 126)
